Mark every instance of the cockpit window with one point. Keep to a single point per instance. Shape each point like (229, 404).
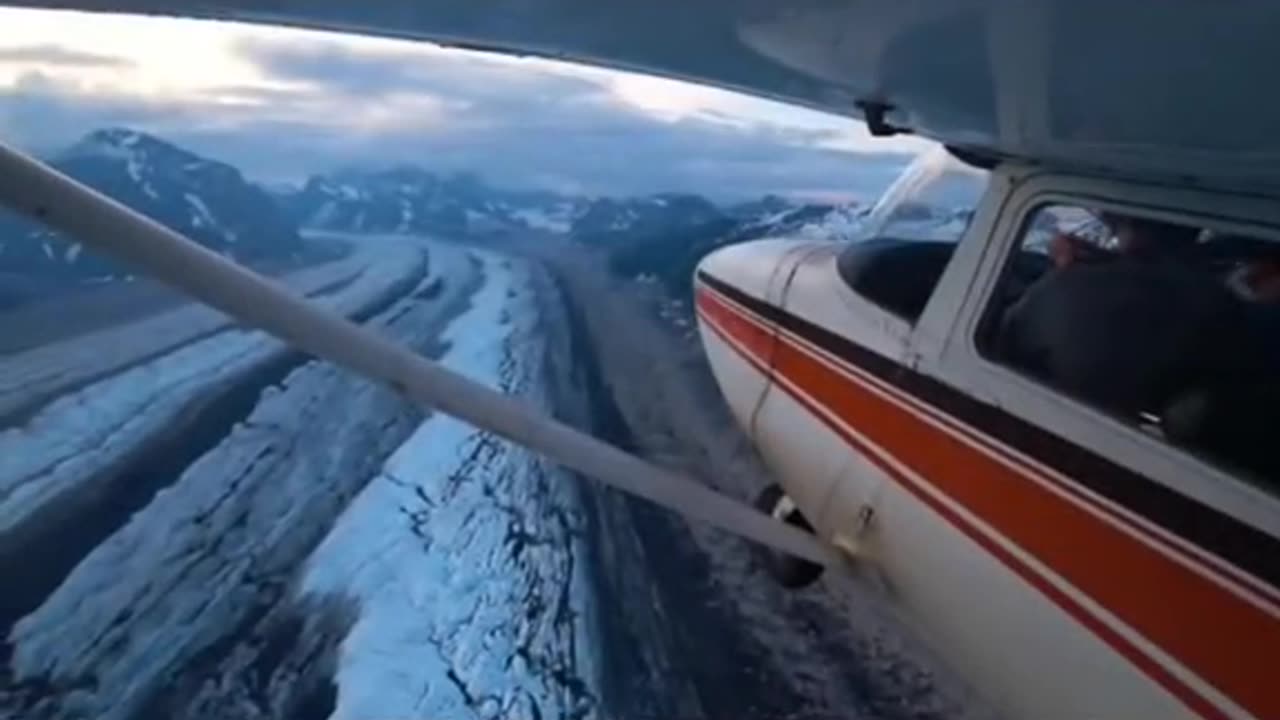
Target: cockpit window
(1171, 326)
(933, 200)
(911, 233)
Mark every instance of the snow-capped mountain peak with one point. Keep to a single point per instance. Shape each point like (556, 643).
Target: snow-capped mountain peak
(116, 143)
(142, 154)
(206, 200)
(776, 217)
(666, 247)
(410, 200)
(606, 220)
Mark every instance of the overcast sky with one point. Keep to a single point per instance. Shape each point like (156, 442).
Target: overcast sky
(282, 104)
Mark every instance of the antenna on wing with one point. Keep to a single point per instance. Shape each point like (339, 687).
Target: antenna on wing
(35, 189)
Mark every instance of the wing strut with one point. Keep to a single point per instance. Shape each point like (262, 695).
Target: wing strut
(36, 190)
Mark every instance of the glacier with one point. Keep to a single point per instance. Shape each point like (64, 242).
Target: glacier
(415, 565)
(201, 558)
(461, 554)
(29, 378)
(63, 446)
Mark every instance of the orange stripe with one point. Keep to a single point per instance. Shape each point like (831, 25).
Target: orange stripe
(1227, 641)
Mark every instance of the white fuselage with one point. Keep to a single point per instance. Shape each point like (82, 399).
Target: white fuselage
(1062, 579)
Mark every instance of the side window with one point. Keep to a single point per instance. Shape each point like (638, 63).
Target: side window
(1174, 328)
(911, 232)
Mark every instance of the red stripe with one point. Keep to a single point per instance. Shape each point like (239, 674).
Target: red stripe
(1159, 598)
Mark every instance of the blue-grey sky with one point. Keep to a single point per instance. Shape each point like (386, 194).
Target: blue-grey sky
(283, 103)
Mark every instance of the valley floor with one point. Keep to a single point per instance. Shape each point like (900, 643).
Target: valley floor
(198, 522)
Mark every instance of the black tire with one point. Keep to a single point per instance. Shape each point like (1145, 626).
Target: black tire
(788, 571)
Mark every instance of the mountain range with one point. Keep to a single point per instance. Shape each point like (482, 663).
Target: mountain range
(209, 201)
(409, 199)
(660, 235)
(668, 254)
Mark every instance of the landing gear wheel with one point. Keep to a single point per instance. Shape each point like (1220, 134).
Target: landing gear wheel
(787, 570)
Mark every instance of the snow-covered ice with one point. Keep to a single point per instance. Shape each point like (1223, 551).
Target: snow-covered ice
(322, 215)
(62, 447)
(37, 374)
(406, 216)
(538, 219)
(223, 540)
(202, 217)
(462, 555)
(458, 559)
(840, 225)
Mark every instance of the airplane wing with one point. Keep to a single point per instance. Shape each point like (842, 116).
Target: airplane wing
(1170, 89)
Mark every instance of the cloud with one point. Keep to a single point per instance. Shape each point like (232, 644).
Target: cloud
(359, 71)
(54, 55)
(320, 104)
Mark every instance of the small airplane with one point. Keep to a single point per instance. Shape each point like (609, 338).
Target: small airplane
(1036, 401)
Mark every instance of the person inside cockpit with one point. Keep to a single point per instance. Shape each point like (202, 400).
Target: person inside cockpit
(1121, 325)
(1130, 237)
(1139, 323)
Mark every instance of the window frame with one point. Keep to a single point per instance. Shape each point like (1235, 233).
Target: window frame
(959, 362)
